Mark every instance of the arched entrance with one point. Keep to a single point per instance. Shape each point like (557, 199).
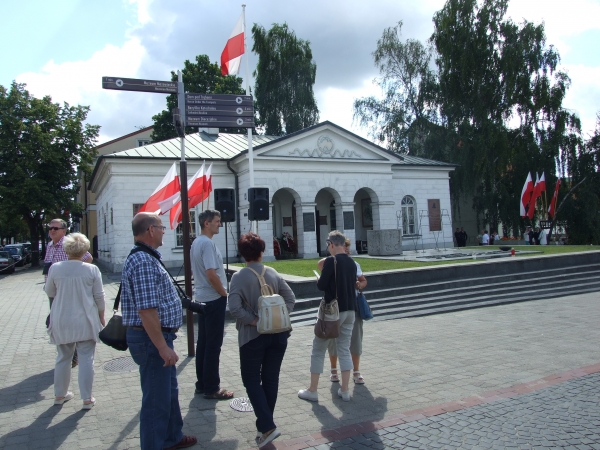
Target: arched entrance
(328, 215)
(366, 212)
(285, 224)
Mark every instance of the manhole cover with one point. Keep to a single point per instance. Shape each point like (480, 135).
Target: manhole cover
(241, 404)
(125, 364)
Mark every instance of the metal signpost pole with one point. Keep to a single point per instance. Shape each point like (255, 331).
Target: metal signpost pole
(185, 219)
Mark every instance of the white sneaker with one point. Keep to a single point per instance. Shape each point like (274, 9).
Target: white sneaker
(308, 395)
(265, 438)
(345, 395)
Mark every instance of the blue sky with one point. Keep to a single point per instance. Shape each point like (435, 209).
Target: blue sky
(63, 48)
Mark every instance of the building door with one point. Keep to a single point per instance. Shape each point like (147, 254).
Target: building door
(318, 231)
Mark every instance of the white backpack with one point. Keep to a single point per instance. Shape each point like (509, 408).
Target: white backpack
(273, 315)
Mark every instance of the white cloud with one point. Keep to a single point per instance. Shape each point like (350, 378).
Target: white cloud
(583, 97)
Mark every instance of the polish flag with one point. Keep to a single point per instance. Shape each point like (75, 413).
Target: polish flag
(552, 207)
(199, 188)
(526, 195)
(537, 192)
(167, 188)
(231, 58)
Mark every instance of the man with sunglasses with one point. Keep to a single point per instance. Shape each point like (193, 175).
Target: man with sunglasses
(55, 253)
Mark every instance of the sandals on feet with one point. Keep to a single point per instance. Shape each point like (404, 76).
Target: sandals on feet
(334, 377)
(89, 403)
(62, 400)
(358, 378)
(221, 394)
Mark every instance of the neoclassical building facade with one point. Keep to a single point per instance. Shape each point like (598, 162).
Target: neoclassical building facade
(319, 179)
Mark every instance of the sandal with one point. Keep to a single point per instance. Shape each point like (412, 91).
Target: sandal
(334, 377)
(186, 441)
(89, 403)
(221, 394)
(358, 378)
(62, 400)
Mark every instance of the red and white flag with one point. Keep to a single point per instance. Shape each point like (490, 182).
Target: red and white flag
(552, 207)
(199, 188)
(540, 186)
(231, 58)
(526, 195)
(167, 188)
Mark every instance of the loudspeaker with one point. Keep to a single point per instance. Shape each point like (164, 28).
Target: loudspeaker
(259, 204)
(225, 204)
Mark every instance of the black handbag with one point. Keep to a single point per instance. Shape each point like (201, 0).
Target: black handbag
(114, 334)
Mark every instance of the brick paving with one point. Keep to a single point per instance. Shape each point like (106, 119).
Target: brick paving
(494, 360)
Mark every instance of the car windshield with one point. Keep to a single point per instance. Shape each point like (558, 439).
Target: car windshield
(13, 250)
(4, 254)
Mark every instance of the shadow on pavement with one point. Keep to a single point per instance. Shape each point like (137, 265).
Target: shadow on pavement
(201, 421)
(43, 432)
(25, 392)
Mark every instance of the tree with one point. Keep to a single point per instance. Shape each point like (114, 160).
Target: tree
(43, 145)
(284, 79)
(201, 77)
(493, 104)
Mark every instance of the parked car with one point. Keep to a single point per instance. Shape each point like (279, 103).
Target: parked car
(7, 263)
(17, 253)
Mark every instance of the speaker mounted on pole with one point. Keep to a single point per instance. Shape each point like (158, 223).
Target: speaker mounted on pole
(225, 204)
(259, 203)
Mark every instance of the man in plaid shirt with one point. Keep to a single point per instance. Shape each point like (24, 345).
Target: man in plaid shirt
(55, 253)
(152, 312)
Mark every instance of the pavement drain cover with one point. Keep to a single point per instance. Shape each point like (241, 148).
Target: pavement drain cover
(125, 364)
(241, 404)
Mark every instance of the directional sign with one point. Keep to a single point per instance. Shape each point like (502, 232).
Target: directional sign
(219, 122)
(133, 84)
(218, 99)
(218, 110)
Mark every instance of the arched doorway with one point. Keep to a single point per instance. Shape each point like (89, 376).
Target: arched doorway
(284, 222)
(328, 215)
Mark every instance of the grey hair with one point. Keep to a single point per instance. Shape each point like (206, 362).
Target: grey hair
(209, 215)
(75, 245)
(142, 221)
(337, 238)
(62, 222)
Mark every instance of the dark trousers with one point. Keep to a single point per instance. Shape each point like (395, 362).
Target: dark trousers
(160, 418)
(260, 361)
(211, 326)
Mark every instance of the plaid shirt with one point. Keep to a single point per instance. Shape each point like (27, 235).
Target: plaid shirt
(146, 284)
(56, 253)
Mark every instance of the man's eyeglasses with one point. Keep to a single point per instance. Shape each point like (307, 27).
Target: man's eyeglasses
(160, 226)
(328, 242)
(56, 228)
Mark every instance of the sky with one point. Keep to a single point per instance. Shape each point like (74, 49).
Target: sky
(64, 48)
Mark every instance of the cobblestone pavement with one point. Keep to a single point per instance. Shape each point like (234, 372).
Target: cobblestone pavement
(409, 365)
(565, 416)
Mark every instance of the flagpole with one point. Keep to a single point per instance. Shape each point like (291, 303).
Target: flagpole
(250, 155)
(185, 218)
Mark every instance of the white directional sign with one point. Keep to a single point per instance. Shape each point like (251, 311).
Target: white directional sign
(219, 110)
(134, 84)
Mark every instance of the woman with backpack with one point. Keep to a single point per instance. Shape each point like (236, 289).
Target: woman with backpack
(260, 354)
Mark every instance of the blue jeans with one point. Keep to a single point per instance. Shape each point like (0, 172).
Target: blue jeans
(260, 361)
(160, 418)
(211, 326)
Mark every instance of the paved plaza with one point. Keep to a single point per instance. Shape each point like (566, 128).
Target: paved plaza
(524, 375)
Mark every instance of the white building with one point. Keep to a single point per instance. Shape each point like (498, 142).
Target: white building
(319, 179)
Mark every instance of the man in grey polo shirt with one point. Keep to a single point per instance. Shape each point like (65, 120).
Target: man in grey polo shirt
(209, 288)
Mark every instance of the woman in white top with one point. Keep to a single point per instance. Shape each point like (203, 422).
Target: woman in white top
(76, 318)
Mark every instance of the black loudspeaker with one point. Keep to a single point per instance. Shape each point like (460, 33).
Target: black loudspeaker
(225, 204)
(259, 204)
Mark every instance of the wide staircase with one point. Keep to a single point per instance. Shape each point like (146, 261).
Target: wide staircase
(421, 292)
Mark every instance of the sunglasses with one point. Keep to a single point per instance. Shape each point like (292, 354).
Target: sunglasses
(328, 243)
(55, 228)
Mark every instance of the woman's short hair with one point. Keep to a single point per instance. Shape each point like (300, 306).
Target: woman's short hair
(347, 243)
(75, 245)
(251, 246)
(337, 238)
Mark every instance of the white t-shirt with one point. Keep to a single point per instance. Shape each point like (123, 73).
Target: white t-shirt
(205, 255)
(485, 239)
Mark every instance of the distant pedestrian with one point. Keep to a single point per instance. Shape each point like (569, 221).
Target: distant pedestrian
(260, 354)
(527, 235)
(457, 237)
(464, 237)
(485, 238)
(153, 314)
(76, 317)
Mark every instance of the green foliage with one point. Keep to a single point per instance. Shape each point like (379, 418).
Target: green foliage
(284, 79)
(201, 77)
(44, 147)
(493, 105)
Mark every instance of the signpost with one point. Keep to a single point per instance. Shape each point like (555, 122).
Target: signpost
(134, 84)
(195, 110)
(219, 111)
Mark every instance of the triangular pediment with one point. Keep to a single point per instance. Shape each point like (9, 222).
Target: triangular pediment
(325, 141)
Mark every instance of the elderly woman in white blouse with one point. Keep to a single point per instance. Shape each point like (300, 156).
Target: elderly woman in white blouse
(76, 318)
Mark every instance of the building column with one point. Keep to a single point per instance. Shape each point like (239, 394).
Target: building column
(306, 224)
(346, 219)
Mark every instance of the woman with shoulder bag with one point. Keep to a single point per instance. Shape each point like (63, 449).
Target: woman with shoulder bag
(357, 332)
(260, 354)
(337, 281)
